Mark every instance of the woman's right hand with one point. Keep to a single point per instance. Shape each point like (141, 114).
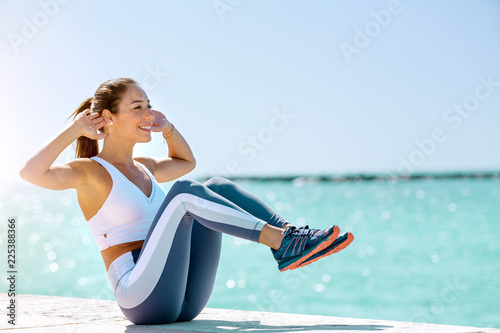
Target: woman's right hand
(89, 123)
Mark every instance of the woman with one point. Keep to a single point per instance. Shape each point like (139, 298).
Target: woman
(161, 250)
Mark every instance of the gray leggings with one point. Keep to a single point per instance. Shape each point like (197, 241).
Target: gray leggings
(171, 278)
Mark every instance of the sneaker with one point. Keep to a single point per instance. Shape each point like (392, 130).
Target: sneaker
(339, 244)
(299, 244)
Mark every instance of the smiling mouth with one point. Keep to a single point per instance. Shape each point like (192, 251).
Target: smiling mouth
(145, 128)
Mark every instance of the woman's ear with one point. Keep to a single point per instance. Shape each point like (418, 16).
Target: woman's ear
(107, 116)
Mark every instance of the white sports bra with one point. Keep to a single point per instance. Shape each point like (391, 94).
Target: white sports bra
(127, 213)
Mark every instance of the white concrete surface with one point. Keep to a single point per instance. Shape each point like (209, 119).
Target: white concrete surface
(65, 314)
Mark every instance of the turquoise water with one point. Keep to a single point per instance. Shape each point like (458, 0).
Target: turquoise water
(425, 251)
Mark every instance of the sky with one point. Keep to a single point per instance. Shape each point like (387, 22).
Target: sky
(266, 87)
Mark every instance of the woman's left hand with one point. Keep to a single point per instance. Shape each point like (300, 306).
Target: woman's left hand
(160, 122)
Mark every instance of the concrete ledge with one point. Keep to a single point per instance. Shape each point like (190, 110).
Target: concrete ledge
(66, 314)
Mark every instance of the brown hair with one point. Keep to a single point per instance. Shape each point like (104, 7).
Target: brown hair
(107, 96)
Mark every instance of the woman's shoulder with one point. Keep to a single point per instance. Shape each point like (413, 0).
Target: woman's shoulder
(96, 176)
(87, 165)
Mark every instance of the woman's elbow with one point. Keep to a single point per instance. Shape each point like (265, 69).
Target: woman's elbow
(24, 174)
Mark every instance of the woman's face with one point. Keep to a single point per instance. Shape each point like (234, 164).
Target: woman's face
(134, 118)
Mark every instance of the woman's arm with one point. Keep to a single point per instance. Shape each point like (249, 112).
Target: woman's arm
(39, 171)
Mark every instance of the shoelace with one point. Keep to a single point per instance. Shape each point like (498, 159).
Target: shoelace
(299, 241)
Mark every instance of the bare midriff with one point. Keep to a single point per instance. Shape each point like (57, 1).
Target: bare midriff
(113, 252)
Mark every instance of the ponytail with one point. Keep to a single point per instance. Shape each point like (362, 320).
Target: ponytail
(85, 147)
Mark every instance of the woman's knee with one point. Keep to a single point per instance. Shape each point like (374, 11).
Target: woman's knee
(184, 185)
(215, 183)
